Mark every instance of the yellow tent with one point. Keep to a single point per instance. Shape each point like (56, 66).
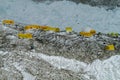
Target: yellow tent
(109, 47)
(32, 26)
(54, 29)
(87, 32)
(92, 31)
(25, 36)
(9, 22)
(68, 29)
(45, 28)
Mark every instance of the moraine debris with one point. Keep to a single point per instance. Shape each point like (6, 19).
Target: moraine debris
(86, 46)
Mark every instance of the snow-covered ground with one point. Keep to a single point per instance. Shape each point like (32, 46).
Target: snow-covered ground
(26, 75)
(62, 14)
(103, 70)
(99, 70)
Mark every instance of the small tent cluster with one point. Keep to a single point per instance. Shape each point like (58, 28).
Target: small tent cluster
(87, 32)
(45, 28)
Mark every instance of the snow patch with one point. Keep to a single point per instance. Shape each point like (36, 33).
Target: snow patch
(26, 76)
(108, 69)
(64, 63)
(3, 53)
(105, 70)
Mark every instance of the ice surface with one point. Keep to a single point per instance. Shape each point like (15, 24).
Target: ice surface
(99, 70)
(26, 75)
(61, 14)
(103, 70)
(61, 62)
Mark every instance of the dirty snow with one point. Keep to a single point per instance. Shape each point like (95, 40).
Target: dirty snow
(26, 76)
(102, 70)
(61, 62)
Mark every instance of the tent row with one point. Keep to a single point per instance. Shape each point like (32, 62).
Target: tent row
(85, 32)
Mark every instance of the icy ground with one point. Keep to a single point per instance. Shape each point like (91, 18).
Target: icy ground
(30, 66)
(61, 14)
(58, 14)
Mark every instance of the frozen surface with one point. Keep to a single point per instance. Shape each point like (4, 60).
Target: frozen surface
(102, 70)
(26, 75)
(98, 70)
(106, 70)
(61, 62)
(61, 14)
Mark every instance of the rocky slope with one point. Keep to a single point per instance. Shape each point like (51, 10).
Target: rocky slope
(17, 61)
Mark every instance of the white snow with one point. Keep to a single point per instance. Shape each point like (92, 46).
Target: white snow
(108, 69)
(26, 76)
(11, 37)
(61, 14)
(103, 70)
(61, 62)
(3, 53)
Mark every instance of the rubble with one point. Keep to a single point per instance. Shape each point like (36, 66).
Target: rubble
(19, 64)
(70, 45)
